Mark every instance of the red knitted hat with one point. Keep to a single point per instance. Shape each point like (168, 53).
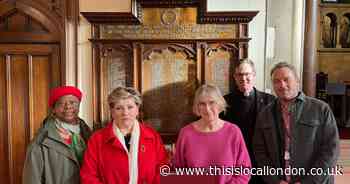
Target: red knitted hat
(58, 92)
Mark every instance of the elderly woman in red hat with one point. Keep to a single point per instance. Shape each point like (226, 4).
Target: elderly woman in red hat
(54, 155)
(126, 151)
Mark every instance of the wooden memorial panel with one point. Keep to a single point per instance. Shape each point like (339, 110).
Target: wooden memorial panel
(219, 67)
(168, 84)
(116, 66)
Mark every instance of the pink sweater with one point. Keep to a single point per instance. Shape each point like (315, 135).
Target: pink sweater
(224, 147)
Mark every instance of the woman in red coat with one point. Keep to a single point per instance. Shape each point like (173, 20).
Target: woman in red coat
(125, 151)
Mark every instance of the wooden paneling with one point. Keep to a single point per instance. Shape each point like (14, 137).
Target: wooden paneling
(27, 73)
(4, 171)
(167, 74)
(33, 38)
(168, 83)
(40, 81)
(220, 62)
(336, 65)
(18, 106)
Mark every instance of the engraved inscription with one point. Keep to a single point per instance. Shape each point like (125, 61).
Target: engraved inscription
(116, 73)
(221, 76)
(168, 89)
(188, 31)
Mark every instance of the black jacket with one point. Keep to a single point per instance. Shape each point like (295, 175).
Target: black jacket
(246, 121)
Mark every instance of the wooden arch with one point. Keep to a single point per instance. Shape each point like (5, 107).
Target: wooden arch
(47, 20)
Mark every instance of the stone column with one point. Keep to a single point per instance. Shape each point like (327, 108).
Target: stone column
(310, 65)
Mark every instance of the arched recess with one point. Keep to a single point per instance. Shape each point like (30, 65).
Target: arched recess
(344, 31)
(329, 30)
(32, 61)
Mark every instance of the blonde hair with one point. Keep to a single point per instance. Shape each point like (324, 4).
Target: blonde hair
(122, 93)
(212, 91)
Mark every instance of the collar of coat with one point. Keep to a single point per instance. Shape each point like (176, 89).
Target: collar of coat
(276, 110)
(50, 138)
(145, 135)
(300, 97)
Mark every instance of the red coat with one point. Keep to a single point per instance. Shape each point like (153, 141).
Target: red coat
(106, 161)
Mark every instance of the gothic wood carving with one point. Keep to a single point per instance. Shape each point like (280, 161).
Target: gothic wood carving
(206, 17)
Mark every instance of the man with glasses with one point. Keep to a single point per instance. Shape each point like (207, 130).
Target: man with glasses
(54, 155)
(244, 104)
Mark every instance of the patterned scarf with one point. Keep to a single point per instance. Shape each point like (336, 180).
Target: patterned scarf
(72, 138)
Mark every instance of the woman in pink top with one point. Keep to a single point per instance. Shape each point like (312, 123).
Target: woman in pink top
(212, 143)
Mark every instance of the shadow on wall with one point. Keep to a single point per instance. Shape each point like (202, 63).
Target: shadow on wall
(169, 108)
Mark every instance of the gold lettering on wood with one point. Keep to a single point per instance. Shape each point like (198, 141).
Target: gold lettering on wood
(176, 23)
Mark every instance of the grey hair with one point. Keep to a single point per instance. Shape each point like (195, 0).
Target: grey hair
(284, 65)
(212, 91)
(249, 62)
(122, 93)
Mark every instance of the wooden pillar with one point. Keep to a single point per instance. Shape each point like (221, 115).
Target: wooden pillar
(310, 65)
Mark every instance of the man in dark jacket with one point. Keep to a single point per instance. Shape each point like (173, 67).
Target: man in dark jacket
(244, 104)
(296, 132)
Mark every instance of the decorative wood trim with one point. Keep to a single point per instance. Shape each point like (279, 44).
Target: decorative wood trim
(36, 15)
(243, 50)
(157, 41)
(26, 37)
(169, 3)
(133, 17)
(95, 31)
(110, 17)
(203, 17)
(334, 50)
(109, 48)
(186, 48)
(96, 86)
(201, 47)
(30, 129)
(9, 117)
(137, 62)
(224, 17)
(73, 16)
(225, 46)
